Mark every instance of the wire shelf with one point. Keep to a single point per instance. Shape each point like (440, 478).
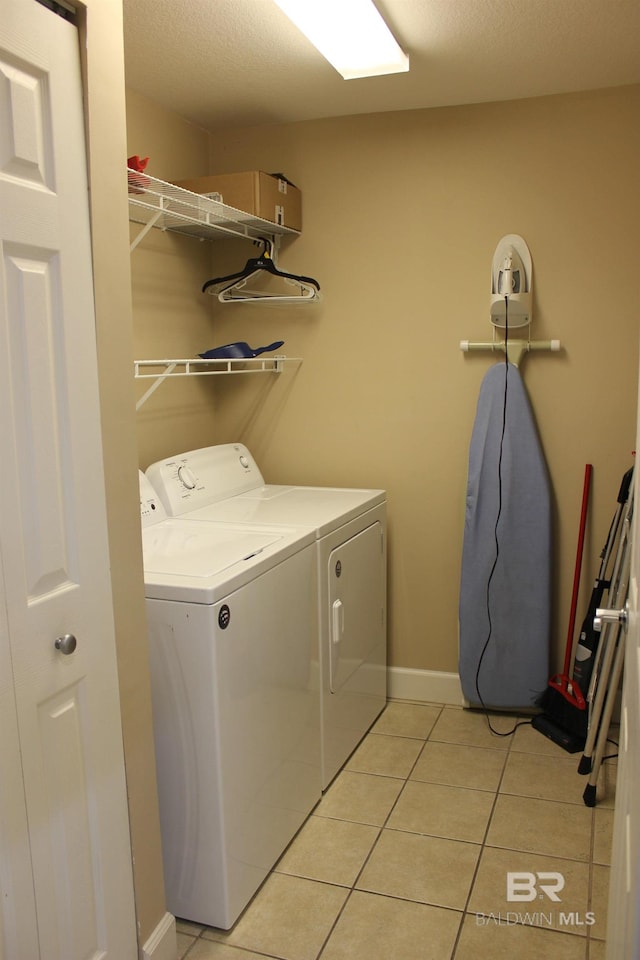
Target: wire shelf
(161, 370)
(155, 203)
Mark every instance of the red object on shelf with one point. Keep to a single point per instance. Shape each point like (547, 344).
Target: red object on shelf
(137, 181)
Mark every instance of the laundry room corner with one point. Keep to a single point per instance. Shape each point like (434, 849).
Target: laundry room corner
(400, 222)
(171, 317)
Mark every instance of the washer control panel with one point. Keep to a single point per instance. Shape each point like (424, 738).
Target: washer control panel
(151, 508)
(201, 477)
(187, 477)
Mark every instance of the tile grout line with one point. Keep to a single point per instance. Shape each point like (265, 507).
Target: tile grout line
(590, 890)
(381, 828)
(465, 911)
(407, 778)
(483, 845)
(462, 912)
(590, 862)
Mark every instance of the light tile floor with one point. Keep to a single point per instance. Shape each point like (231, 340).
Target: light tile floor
(406, 856)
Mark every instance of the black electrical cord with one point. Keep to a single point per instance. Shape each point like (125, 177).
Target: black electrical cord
(612, 756)
(520, 723)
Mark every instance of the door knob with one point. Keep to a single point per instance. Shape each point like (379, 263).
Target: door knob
(604, 615)
(66, 644)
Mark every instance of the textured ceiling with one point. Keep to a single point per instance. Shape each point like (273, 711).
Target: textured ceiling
(223, 63)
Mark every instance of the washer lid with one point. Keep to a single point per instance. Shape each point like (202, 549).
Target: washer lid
(194, 562)
(191, 549)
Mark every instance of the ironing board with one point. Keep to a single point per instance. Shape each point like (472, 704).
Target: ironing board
(514, 612)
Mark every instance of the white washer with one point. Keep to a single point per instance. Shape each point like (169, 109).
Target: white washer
(232, 615)
(224, 483)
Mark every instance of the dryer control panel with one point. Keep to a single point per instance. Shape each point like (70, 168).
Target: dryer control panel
(199, 478)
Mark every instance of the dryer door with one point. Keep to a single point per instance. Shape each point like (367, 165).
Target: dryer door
(356, 610)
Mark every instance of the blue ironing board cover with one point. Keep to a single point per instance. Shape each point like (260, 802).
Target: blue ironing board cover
(515, 666)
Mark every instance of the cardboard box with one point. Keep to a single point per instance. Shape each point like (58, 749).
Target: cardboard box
(253, 192)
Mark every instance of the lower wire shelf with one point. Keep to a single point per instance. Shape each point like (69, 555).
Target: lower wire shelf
(161, 370)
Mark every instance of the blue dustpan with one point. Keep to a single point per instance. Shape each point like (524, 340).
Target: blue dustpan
(238, 351)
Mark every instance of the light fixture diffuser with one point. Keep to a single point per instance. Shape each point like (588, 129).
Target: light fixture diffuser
(350, 34)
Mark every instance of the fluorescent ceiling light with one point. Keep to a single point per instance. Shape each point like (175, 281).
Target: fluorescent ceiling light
(350, 34)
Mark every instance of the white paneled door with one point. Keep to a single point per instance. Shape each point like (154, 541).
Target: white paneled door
(623, 918)
(66, 890)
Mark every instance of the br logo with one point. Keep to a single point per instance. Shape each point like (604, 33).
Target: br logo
(525, 886)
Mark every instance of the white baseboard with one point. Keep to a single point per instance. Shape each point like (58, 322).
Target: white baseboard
(163, 943)
(433, 686)
(429, 686)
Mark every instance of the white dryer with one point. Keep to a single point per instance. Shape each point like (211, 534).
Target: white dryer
(224, 483)
(232, 615)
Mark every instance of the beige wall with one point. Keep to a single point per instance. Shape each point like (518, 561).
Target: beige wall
(402, 214)
(104, 84)
(171, 318)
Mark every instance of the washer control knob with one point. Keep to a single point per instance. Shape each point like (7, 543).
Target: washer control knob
(66, 644)
(244, 462)
(186, 477)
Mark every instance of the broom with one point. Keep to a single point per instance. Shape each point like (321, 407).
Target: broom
(564, 709)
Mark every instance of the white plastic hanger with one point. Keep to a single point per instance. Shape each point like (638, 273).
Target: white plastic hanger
(239, 288)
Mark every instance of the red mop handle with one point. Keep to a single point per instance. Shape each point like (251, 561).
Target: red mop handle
(576, 576)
